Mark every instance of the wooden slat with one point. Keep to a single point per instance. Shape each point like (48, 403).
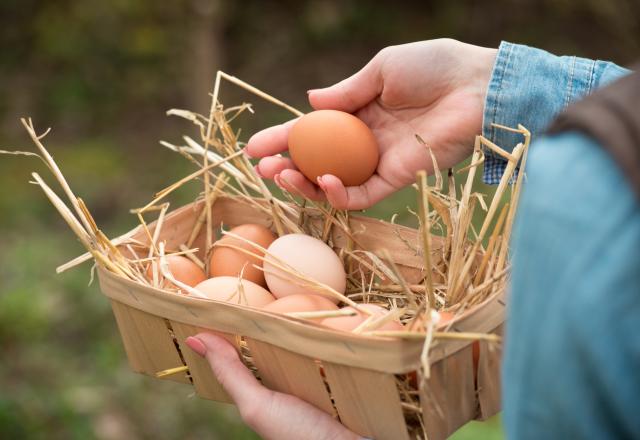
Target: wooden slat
(147, 342)
(489, 389)
(288, 372)
(367, 401)
(482, 318)
(205, 383)
(382, 354)
(448, 397)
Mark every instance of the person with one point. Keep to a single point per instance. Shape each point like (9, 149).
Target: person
(571, 355)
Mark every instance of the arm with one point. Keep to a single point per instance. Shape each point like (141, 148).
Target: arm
(572, 351)
(271, 414)
(529, 86)
(445, 91)
(432, 88)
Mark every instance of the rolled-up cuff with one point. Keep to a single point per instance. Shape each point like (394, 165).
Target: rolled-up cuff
(529, 86)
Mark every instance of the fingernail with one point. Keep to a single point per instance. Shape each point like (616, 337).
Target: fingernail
(256, 168)
(320, 183)
(196, 345)
(309, 91)
(245, 151)
(276, 179)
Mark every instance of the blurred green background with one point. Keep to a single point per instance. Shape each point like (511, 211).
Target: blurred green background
(102, 74)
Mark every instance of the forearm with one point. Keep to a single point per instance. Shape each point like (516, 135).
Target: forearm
(530, 86)
(574, 291)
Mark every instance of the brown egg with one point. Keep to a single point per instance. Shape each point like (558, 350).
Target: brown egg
(445, 319)
(301, 303)
(333, 142)
(349, 323)
(228, 289)
(182, 269)
(230, 262)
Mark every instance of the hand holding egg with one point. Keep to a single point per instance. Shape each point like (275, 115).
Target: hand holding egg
(329, 149)
(434, 88)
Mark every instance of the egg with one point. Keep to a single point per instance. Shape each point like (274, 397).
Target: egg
(310, 257)
(444, 319)
(349, 323)
(228, 289)
(333, 142)
(301, 303)
(230, 262)
(182, 269)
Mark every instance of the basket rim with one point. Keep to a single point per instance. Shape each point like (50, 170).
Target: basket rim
(385, 354)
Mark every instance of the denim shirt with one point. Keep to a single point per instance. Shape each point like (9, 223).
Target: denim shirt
(571, 365)
(529, 86)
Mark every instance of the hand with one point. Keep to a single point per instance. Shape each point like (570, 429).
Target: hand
(432, 88)
(271, 414)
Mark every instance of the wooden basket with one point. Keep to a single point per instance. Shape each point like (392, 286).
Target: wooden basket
(348, 375)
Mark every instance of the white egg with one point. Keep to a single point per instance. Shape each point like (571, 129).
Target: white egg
(310, 257)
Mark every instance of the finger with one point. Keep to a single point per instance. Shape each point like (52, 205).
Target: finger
(260, 408)
(269, 166)
(295, 182)
(351, 93)
(234, 377)
(355, 197)
(270, 141)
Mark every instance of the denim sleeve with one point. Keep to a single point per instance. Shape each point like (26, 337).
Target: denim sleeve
(572, 350)
(529, 86)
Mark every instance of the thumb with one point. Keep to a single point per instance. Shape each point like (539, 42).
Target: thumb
(351, 93)
(235, 378)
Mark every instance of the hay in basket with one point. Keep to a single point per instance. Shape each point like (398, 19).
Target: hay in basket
(422, 382)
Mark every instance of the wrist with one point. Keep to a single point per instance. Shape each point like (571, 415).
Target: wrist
(486, 59)
(475, 78)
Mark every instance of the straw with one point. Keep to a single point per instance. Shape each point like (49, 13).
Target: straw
(172, 371)
(458, 271)
(322, 314)
(423, 201)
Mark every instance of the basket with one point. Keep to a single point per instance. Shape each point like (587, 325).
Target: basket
(352, 376)
(382, 385)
